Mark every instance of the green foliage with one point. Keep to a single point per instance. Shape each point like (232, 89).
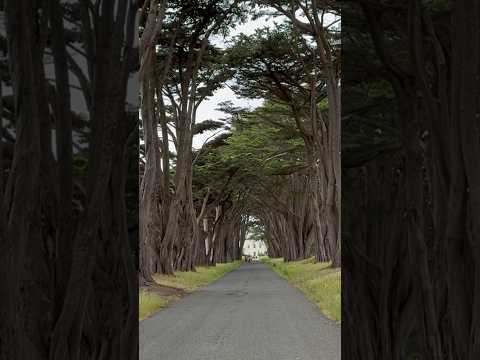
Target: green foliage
(253, 151)
(197, 16)
(260, 145)
(255, 230)
(207, 125)
(80, 164)
(273, 64)
(186, 32)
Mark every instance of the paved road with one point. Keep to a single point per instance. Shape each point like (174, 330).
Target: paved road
(249, 314)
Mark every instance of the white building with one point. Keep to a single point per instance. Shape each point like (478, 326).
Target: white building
(254, 248)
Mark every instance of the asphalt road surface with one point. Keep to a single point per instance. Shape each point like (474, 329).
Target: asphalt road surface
(249, 314)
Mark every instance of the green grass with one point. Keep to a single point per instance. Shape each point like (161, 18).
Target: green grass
(150, 302)
(320, 283)
(192, 280)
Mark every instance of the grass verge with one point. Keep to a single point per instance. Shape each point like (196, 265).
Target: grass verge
(150, 301)
(192, 280)
(320, 283)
